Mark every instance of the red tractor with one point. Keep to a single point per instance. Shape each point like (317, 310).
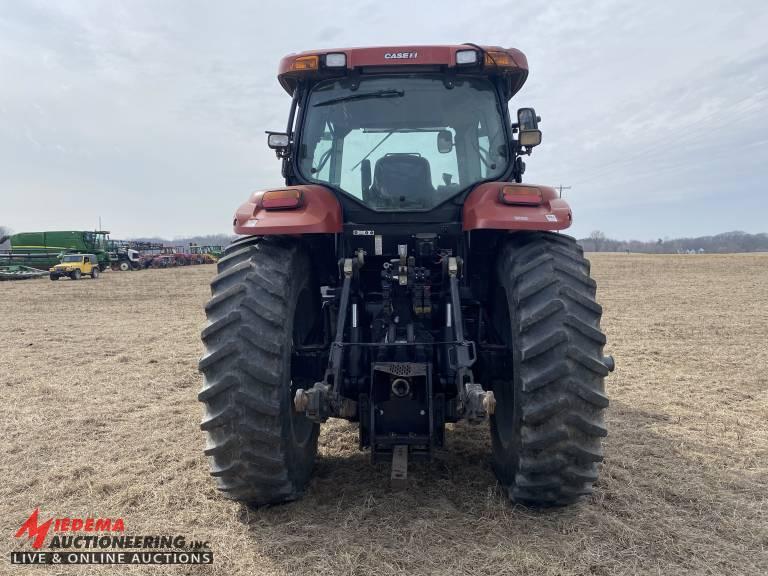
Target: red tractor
(403, 278)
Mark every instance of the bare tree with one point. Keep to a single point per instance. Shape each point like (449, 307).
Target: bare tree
(598, 239)
(5, 232)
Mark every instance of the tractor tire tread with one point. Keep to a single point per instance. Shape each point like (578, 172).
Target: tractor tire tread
(244, 342)
(558, 346)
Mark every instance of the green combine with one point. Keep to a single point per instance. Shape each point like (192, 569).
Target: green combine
(42, 250)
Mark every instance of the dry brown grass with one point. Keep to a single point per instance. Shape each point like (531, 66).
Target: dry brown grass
(99, 386)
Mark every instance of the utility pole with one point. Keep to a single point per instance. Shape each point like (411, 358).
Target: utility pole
(561, 188)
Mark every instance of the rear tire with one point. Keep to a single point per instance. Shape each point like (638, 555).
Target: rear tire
(548, 422)
(260, 450)
(75, 275)
(124, 266)
(54, 276)
(94, 273)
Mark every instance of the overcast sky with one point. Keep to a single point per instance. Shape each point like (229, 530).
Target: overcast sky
(151, 114)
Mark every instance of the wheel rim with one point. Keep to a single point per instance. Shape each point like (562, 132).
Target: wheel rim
(504, 416)
(303, 320)
(301, 426)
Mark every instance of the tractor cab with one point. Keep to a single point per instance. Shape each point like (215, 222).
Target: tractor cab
(402, 130)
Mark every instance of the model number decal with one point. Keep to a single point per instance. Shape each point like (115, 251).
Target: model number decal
(400, 55)
(362, 233)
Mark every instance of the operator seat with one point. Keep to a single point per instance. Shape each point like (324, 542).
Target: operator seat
(402, 181)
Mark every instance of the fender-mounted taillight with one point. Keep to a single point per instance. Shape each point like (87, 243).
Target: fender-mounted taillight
(281, 199)
(525, 195)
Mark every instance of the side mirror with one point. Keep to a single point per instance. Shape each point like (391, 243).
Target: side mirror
(528, 125)
(444, 141)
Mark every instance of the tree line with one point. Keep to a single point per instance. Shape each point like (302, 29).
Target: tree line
(726, 242)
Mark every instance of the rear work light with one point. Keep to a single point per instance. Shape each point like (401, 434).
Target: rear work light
(336, 60)
(281, 199)
(305, 63)
(521, 195)
(466, 57)
(499, 59)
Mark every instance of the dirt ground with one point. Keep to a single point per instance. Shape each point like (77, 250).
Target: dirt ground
(99, 383)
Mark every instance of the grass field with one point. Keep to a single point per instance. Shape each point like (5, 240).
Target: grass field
(100, 417)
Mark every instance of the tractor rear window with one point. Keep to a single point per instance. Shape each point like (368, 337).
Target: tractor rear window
(403, 143)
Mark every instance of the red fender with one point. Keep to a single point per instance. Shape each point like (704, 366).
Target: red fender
(484, 209)
(319, 213)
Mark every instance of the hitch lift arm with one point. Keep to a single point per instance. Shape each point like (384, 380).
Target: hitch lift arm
(475, 402)
(323, 399)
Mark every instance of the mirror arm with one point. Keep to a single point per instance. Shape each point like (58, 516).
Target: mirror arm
(285, 153)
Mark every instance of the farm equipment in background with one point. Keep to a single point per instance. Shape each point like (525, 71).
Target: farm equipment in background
(214, 252)
(170, 256)
(16, 272)
(147, 251)
(167, 257)
(404, 278)
(184, 257)
(205, 254)
(42, 250)
(163, 260)
(124, 256)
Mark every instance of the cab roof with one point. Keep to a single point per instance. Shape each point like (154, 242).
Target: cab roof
(509, 63)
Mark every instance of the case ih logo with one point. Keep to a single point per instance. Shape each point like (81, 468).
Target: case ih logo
(400, 55)
(33, 529)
